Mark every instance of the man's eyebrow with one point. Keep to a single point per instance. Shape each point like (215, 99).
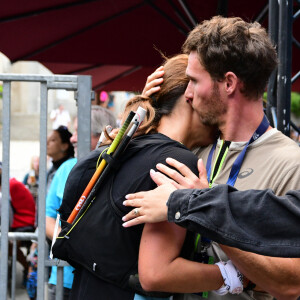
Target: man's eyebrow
(189, 76)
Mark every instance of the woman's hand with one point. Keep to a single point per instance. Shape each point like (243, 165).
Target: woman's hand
(150, 206)
(184, 178)
(153, 82)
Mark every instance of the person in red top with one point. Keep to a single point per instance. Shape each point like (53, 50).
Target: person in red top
(23, 206)
(23, 216)
(23, 220)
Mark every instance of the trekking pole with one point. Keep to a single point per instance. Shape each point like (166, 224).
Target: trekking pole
(134, 125)
(100, 168)
(136, 119)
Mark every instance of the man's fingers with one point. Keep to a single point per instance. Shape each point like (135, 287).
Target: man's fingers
(152, 86)
(151, 91)
(177, 179)
(158, 73)
(203, 183)
(177, 185)
(201, 169)
(170, 172)
(182, 168)
(161, 68)
(153, 80)
(160, 178)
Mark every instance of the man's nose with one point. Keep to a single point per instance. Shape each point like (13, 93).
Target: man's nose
(189, 92)
(73, 138)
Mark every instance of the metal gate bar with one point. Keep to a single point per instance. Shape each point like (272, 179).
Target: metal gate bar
(81, 85)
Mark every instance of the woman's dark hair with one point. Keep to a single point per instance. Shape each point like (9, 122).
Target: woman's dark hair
(162, 103)
(65, 136)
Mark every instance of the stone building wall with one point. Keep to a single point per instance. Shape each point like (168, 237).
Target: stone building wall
(25, 114)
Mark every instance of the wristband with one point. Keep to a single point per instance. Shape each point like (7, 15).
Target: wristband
(222, 290)
(233, 278)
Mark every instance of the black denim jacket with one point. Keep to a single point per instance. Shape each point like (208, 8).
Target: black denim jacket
(253, 220)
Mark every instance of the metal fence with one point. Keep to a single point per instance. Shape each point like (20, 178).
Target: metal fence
(81, 85)
(281, 20)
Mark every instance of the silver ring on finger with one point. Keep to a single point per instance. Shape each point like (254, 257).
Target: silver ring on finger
(136, 211)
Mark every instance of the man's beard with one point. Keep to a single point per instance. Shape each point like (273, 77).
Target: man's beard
(214, 108)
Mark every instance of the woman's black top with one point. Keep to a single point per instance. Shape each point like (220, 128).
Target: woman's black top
(107, 251)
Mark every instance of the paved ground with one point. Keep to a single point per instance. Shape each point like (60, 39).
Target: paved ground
(21, 293)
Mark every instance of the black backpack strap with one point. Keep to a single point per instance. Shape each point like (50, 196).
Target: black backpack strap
(113, 163)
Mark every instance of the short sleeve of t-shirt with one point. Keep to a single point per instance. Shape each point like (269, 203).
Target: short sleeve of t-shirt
(56, 190)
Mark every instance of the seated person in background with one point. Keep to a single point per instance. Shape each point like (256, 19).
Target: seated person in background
(23, 206)
(34, 171)
(23, 217)
(31, 179)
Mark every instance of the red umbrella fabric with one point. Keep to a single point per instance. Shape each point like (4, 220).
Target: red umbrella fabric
(112, 40)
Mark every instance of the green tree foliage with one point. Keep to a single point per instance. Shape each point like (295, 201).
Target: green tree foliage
(295, 102)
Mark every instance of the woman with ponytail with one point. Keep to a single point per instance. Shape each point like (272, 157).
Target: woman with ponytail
(108, 266)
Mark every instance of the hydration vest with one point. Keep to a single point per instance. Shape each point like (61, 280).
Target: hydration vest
(98, 242)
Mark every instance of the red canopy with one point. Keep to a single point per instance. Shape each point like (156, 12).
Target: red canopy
(111, 40)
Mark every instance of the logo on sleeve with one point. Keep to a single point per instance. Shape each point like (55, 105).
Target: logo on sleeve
(245, 173)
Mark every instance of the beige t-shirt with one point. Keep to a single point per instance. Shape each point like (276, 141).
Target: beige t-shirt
(272, 161)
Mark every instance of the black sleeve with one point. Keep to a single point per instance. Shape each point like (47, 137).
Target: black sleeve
(253, 220)
(182, 155)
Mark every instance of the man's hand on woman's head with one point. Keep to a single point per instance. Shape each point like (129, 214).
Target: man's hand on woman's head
(153, 82)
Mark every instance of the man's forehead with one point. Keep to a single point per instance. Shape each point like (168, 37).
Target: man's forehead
(194, 64)
(194, 59)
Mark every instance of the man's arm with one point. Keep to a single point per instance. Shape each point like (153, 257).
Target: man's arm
(278, 276)
(255, 221)
(236, 218)
(222, 218)
(225, 215)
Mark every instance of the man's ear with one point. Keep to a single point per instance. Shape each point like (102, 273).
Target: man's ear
(231, 83)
